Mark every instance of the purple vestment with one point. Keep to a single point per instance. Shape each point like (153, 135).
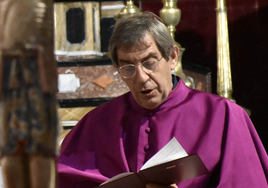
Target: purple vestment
(120, 136)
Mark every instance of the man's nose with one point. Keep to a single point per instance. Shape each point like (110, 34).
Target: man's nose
(141, 75)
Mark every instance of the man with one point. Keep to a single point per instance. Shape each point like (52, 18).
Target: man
(122, 134)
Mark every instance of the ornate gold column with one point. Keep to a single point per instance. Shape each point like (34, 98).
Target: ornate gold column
(224, 77)
(171, 14)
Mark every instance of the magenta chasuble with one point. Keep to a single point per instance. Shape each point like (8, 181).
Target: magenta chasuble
(120, 136)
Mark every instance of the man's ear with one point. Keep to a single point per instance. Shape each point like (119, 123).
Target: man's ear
(174, 57)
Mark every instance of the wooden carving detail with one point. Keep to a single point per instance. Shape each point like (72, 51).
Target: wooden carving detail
(28, 82)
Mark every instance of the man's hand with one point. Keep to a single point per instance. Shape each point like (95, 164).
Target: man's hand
(152, 185)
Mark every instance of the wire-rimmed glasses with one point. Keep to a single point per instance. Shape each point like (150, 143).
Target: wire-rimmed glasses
(129, 70)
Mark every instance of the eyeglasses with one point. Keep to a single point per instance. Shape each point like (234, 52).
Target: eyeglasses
(129, 70)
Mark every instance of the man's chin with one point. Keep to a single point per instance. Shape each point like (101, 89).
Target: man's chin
(150, 105)
(148, 101)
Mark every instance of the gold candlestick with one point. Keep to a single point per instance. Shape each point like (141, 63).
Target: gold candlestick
(129, 9)
(171, 14)
(224, 77)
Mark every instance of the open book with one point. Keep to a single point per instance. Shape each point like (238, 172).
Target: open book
(169, 165)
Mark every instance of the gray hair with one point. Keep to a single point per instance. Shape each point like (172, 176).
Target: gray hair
(130, 31)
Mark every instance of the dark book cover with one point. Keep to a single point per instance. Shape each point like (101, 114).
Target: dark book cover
(164, 174)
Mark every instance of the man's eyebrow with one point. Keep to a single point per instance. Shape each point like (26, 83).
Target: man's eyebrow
(123, 61)
(150, 55)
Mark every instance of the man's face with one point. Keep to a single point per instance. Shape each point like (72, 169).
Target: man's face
(149, 89)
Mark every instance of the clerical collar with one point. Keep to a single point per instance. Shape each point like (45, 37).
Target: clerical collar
(175, 81)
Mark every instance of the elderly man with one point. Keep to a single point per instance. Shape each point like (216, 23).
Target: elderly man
(122, 134)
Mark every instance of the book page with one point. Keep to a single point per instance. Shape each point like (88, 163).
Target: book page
(171, 151)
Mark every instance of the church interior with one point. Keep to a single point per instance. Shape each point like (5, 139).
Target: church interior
(86, 77)
(196, 33)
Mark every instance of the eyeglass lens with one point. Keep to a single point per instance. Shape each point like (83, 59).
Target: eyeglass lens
(128, 71)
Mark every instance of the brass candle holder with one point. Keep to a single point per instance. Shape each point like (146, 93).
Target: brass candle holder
(129, 9)
(171, 14)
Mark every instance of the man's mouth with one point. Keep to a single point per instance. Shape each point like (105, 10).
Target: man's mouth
(147, 91)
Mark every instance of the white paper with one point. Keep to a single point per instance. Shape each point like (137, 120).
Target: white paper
(171, 151)
(68, 83)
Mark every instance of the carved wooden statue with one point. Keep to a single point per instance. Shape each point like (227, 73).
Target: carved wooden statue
(28, 83)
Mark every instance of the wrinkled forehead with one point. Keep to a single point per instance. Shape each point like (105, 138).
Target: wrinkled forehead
(133, 48)
(139, 44)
